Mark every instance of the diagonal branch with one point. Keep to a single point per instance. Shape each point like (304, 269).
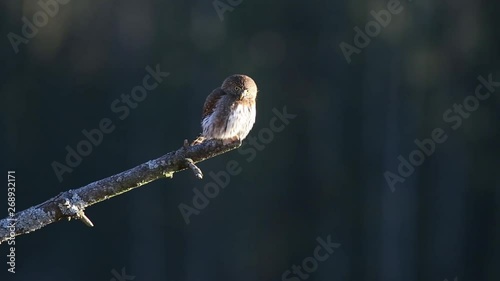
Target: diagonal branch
(72, 203)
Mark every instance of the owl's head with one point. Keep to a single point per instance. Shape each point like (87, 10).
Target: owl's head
(241, 86)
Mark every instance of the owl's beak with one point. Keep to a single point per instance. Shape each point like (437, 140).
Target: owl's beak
(244, 94)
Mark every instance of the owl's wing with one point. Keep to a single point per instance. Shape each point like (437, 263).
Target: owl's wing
(211, 101)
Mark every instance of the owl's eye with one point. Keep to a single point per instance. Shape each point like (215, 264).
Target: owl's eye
(237, 88)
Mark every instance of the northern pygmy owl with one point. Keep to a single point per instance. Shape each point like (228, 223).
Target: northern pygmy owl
(229, 111)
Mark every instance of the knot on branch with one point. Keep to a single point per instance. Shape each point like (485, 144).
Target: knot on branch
(73, 207)
(197, 172)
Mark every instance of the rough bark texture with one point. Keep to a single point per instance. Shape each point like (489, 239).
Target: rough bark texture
(71, 203)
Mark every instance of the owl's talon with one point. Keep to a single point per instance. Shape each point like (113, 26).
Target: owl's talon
(198, 140)
(231, 140)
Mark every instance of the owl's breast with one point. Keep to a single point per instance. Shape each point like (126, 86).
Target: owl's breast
(241, 119)
(230, 120)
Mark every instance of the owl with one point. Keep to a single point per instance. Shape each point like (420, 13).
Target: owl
(229, 111)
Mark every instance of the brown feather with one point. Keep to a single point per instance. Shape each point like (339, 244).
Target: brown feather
(211, 101)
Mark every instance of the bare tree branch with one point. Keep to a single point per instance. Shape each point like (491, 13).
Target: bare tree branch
(72, 203)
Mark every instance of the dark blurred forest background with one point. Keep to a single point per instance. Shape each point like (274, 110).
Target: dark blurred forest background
(323, 175)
